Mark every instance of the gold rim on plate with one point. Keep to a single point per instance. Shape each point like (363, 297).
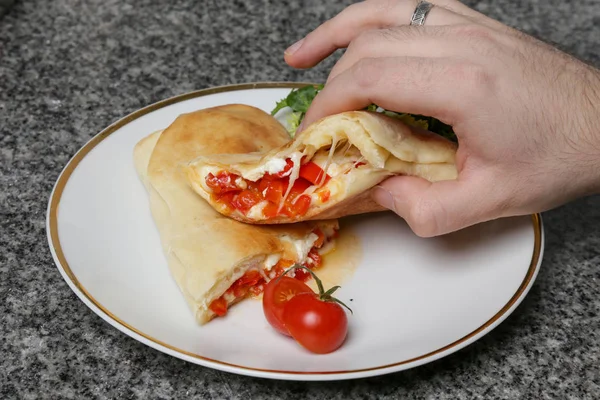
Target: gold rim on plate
(91, 144)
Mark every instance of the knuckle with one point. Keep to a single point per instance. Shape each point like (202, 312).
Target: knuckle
(350, 12)
(363, 42)
(353, 7)
(384, 13)
(482, 40)
(382, 7)
(474, 31)
(368, 40)
(478, 80)
(478, 75)
(422, 76)
(335, 26)
(398, 33)
(366, 72)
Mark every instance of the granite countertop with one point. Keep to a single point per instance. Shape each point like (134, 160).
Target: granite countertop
(69, 68)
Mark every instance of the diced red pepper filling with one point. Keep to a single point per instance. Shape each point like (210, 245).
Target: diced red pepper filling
(253, 282)
(271, 188)
(223, 182)
(313, 173)
(219, 306)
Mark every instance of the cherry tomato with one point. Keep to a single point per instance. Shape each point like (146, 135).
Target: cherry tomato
(313, 173)
(223, 182)
(277, 293)
(319, 326)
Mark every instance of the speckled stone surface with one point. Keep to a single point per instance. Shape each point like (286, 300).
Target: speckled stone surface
(69, 68)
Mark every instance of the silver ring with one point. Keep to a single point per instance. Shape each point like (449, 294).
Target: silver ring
(418, 17)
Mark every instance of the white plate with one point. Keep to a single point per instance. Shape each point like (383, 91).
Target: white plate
(414, 300)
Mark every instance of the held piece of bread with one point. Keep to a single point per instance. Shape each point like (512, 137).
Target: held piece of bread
(356, 149)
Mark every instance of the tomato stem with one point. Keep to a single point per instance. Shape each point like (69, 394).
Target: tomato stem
(330, 291)
(323, 295)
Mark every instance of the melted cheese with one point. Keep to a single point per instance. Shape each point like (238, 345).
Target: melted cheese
(302, 246)
(328, 231)
(273, 166)
(347, 148)
(361, 159)
(296, 158)
(329, 158)
(271, 261)
(328, 247)
(241, 183)
(336, 169)
(341, 162)
(337, 187)
(256, 212)
(310, 190)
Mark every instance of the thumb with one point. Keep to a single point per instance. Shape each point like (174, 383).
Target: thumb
(431, 209)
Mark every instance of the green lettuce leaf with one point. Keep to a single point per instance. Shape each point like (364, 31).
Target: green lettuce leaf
(298, 100)
(279, 106)
(293, 122)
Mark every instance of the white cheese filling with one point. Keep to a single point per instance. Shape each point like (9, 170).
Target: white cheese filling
(327, 248)
(271, 261)
(241, 183)
(296, 158)
(256, 212)
(273, 166)
(303, 246)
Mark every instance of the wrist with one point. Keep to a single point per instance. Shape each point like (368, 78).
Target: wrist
(577, 158)
(591, 125)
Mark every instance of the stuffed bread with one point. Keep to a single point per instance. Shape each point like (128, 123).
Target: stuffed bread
(326, 171)
(214, 260)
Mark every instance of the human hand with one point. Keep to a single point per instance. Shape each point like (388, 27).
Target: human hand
(527, 116)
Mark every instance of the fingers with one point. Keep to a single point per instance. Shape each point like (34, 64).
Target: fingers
(339, 31)
(426, 86)
(470, 42)
(433, 209)
(424, 41)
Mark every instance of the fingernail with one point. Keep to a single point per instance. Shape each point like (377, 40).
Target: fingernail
(293, 48)
(384, 197)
